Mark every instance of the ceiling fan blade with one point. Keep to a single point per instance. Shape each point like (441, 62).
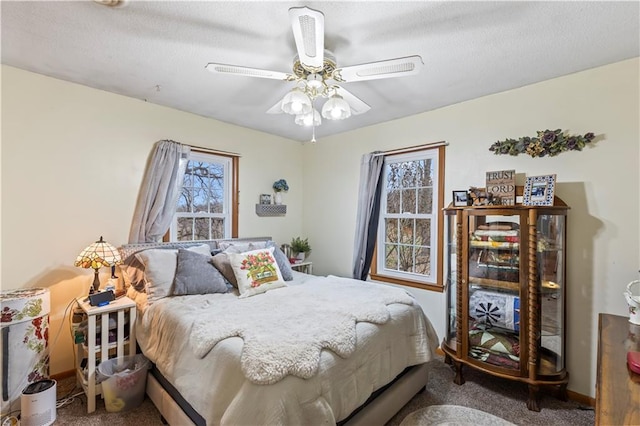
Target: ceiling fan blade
(276, 109)
(358, 106)
(400, 67)
(247, 72)
(308, 32)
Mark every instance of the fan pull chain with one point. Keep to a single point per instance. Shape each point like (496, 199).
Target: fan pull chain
(313, 121)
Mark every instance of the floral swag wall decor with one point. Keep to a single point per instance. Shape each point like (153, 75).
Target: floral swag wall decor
(546, 143)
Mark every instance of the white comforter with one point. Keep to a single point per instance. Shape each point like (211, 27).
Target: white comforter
(217, 388)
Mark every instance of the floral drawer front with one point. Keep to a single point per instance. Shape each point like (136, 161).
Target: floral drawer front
(23, 305)
(25, 334)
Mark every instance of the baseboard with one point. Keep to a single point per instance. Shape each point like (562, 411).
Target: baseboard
(63, 375)
(581, 399)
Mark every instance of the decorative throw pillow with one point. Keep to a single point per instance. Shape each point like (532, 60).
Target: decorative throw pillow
(195, 274)
(222, 263)
(160, 269)
(283, 262)
(256, 271)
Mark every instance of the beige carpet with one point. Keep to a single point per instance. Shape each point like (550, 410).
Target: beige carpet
(499, 397)
(503, 398)
(75, 412)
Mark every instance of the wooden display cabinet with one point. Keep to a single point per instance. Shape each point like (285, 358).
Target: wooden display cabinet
(505, 271)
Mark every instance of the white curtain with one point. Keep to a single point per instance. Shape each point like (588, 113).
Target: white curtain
(159, 192)
(368, 213)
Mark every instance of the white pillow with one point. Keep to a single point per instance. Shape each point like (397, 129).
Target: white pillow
(160, 269)
(256, 271)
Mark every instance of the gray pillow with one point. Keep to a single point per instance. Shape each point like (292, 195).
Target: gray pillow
(283, 263)
(195, 274)
(133, 269)
(160, 269)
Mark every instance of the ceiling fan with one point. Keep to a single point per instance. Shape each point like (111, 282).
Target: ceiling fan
(317, 75)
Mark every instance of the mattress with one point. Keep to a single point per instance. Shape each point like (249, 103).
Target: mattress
(218, 389)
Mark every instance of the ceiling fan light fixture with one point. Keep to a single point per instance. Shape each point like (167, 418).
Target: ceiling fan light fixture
(336, 108)
(315, 81)
(316, 74)
(310, 119)
(296, 102)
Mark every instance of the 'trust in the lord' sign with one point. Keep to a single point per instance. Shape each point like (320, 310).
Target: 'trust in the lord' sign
(502, 184)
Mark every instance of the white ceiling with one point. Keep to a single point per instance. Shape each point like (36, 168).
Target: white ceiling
(157, 50)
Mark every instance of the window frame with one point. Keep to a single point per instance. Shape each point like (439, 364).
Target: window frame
(437, 154)
(231, 190)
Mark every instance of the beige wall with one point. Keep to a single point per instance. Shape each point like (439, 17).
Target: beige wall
(72, 163)
(601, 184)
(83, 152)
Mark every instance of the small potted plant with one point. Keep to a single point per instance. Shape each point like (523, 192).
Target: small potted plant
(279, 186)
(300, 248)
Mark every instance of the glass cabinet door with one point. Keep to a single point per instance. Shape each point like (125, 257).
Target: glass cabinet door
(451, 273)
(550, 259)
(493, 270)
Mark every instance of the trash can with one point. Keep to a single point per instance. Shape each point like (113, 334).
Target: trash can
(125, 381)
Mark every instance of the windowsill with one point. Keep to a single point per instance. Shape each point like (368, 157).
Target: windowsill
(408, 283)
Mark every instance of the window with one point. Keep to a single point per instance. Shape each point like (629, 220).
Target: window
(207, 206)
(409, 237)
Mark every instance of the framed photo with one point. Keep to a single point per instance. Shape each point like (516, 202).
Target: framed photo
(539, 190)
(460, 198)
(265, 198)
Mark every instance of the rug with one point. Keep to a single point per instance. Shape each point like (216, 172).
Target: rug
(450, 415)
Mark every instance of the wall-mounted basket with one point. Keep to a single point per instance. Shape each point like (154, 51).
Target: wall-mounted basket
(271, 209)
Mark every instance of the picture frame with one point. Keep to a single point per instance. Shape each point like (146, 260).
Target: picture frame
(460, 198)
(265, 198)
(502, 184)
(539, 190)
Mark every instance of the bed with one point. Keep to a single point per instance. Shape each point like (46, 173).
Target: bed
(312, 350)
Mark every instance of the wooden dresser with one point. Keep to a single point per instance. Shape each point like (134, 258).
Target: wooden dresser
(617, 387)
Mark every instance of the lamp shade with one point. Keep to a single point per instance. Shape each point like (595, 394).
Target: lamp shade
(296, 102)
(310, 119)
(97, 255)
(336, 108)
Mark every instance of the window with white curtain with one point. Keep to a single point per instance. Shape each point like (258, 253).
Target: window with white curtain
(206, 207)
(409, 236)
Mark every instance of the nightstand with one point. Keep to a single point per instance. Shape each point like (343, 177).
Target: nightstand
(94, 346)
(304, 267)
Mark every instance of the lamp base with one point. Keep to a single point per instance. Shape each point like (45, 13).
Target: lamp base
(95, 286)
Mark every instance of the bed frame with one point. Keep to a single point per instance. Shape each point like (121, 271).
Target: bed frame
(381, 406)
(377, 410)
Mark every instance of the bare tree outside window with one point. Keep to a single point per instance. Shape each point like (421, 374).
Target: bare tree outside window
(407, 232)
(203, 211)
